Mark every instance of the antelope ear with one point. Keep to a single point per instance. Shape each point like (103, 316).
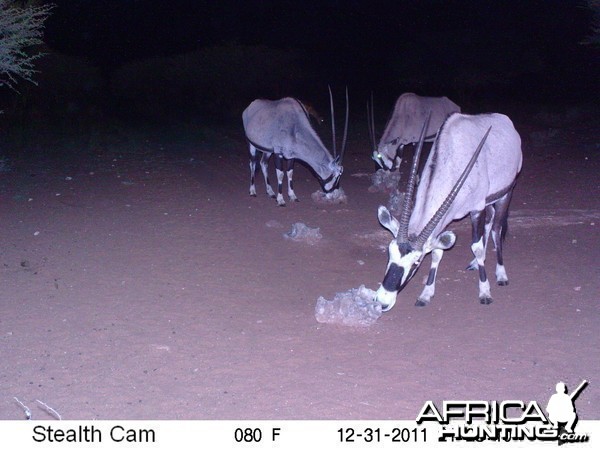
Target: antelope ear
(388, 221)
(444, 241)
(333, 165)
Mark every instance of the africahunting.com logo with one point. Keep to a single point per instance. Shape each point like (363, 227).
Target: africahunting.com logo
(510, 420)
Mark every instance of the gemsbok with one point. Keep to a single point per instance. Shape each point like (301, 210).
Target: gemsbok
(471, 169)
(282, 128)
(404, 126)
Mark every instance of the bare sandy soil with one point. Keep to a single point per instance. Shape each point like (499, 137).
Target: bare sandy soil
(139, 280)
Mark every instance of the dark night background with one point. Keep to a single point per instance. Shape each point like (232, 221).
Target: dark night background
(206, 60)
(140, 280)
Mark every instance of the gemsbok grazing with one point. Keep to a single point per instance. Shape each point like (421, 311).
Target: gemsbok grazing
(282, 128)
(471, 169)
(404, 126)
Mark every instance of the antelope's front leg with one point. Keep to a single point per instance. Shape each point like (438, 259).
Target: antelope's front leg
(429, 290)
(253, 159)
(501, 207)
(264, 167)
(478, 248)
(290, 173)
(279, 172)
(489, 218)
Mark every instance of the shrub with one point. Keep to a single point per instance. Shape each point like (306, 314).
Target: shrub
(20, 30)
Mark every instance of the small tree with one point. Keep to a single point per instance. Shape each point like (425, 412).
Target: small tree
(21, 28)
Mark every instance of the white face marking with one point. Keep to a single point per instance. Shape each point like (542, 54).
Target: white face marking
(394, 253)
(407, 261)
(386, 298)
(411, 263)
(408, 264)
(329, 185)
(337, 171)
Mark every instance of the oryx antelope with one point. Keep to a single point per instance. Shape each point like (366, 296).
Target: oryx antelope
(471, 169)
(404, 126)
(282, 128)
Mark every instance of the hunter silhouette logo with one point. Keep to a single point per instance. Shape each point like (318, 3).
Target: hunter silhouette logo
(562, 413)
(509, 420)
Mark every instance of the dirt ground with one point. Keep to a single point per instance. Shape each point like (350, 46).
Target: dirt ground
(139, 280)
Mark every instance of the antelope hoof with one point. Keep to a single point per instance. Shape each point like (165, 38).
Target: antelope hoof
(485, 300)
(420, 303)
(472, 265)
(282, 204)
(252, 194)
(502, 282)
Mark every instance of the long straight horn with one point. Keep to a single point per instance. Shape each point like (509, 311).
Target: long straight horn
(371, 123)
(410, 189)
(344, 139)
(443, 209)
(332, 122)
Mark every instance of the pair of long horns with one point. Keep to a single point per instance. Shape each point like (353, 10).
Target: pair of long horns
(443, 209)
(333, 136)
(411, 185)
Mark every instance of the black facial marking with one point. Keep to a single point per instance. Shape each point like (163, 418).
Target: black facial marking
(393, 278)
(405, 248)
